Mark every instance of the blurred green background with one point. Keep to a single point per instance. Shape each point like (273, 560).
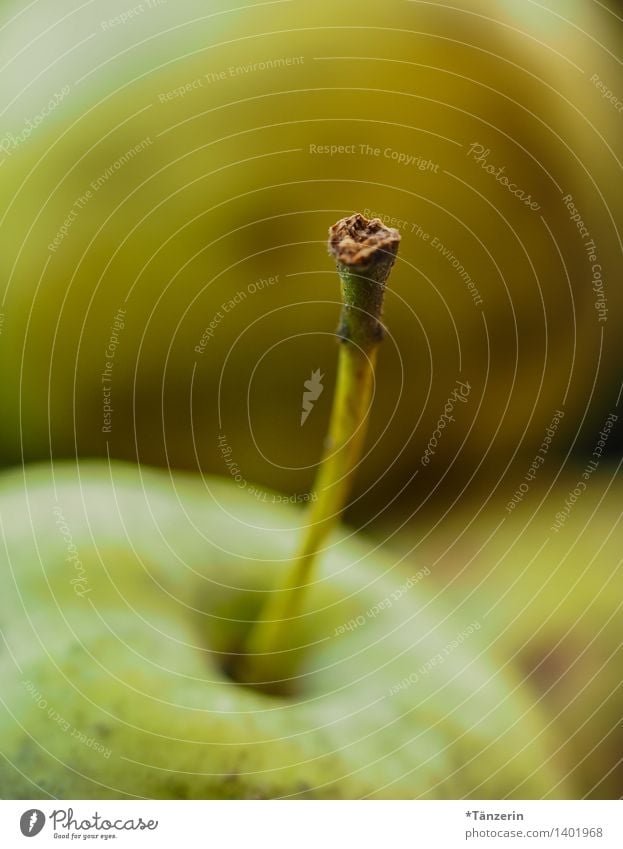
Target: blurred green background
(165, 279)
(228, 187)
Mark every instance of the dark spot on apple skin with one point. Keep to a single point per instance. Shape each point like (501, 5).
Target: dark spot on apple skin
(175, 789)
(233, 776)
(102, 730)
(27, 752)
(305, 791)
(547, 667)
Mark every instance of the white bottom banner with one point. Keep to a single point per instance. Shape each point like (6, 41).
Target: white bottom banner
(302, 824)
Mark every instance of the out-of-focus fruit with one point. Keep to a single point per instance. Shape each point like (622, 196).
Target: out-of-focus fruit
(544, 581)
(125, 591)
(161, 213)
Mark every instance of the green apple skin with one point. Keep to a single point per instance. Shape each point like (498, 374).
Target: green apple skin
(214, 203)
(167, 571)
(550, 605)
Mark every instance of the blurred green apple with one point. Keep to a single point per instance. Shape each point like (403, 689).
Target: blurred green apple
(156, 230)
(544, 579)
(125, 592)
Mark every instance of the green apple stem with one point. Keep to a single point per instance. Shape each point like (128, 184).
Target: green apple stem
(365, 252)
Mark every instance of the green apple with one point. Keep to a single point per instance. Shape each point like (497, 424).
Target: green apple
(545, 582)
(125, 591)
(171, 625)
(164, 184)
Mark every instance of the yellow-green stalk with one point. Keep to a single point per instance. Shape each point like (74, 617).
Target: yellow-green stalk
(365, 251)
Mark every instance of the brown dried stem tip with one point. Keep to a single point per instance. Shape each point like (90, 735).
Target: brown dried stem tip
(365, 251)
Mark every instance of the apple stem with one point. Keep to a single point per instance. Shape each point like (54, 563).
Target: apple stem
(365, 251)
